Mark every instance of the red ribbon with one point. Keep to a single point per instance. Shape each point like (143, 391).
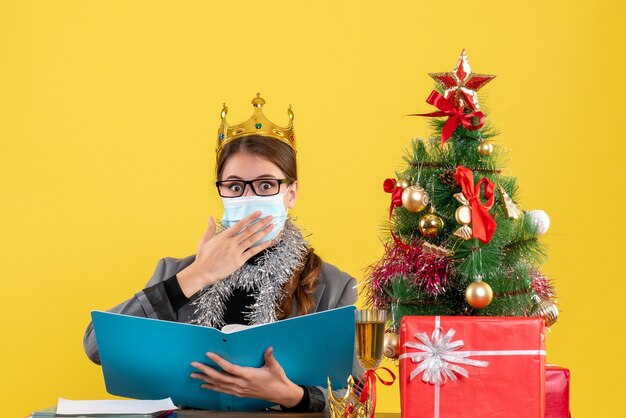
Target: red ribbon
(369, 385)
(456, 116)
(483, 224)
(390, 186)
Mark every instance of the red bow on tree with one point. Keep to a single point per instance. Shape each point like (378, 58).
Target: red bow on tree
(390, 186)
(483, 224)
(456, 116)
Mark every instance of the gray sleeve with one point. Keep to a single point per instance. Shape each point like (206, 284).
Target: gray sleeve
(347, 296)
(151, 302)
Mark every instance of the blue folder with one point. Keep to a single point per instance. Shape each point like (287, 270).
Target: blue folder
(150, 359)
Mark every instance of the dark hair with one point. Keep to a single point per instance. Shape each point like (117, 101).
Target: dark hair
(271, 149)
(303, 283)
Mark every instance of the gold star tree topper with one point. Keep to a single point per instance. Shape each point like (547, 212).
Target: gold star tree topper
(460, 85)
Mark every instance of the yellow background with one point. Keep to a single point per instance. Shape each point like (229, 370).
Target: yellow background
(108, 116)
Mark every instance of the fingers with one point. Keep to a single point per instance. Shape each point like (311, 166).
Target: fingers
(209, 233)
(217, 382)
(227, 389)
(242, 224)
(254, 227)
(254, 233)
(252, 251)
(212, 376)
(227, 366)
(232, 381)
(270, 360)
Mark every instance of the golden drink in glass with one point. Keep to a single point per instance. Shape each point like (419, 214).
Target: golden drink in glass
(370, 336)
(370, 333)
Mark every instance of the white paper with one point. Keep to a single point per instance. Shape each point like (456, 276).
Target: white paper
(68, 407)
(227, 329)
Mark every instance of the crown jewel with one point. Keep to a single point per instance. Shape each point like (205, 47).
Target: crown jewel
(258, 124)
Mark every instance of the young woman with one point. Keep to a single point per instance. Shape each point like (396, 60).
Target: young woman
(256, 268)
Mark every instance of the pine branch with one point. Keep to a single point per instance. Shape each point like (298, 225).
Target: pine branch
(474, 169)
(519, 244)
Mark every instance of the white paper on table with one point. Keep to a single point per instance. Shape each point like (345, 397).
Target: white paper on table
(68, 407)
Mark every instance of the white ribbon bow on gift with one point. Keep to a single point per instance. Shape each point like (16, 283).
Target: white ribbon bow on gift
(438, 358)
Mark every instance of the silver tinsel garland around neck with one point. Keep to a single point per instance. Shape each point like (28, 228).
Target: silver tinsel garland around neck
(265, 277)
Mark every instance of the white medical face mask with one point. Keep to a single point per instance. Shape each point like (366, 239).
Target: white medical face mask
(237, 208)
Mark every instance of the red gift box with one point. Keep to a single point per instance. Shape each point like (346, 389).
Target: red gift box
(472, 367)
(557, 392)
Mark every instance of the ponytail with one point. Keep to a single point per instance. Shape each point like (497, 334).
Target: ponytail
(302, 286)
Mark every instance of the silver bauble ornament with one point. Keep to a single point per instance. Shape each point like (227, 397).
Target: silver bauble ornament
(539, 220)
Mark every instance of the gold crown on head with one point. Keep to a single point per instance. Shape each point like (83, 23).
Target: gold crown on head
(258, 124)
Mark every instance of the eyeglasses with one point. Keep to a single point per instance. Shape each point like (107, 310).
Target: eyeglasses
(260, 187)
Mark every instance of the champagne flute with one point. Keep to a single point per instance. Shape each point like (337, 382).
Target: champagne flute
(370, 334)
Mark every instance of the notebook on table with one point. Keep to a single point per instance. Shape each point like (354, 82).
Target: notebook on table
(108, 408)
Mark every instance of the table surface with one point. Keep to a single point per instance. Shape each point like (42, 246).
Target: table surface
(215, 414)
(192, 413)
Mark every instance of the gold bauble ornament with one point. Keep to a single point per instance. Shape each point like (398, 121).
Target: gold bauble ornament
(463, 215)
(431, 225)
(485, 148)
(478, 294)
(548, 311)
(415, 198)
(404, 183)
(391, 345)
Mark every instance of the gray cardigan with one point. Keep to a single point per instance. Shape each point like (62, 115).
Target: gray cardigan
(334, 289)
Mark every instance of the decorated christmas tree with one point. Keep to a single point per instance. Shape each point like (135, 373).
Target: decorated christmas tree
(458, 241)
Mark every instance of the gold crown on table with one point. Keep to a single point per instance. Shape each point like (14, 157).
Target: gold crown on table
(349, 406)
(258, 124)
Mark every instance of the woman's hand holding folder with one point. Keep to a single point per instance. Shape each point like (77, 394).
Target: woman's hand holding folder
(267, 382)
